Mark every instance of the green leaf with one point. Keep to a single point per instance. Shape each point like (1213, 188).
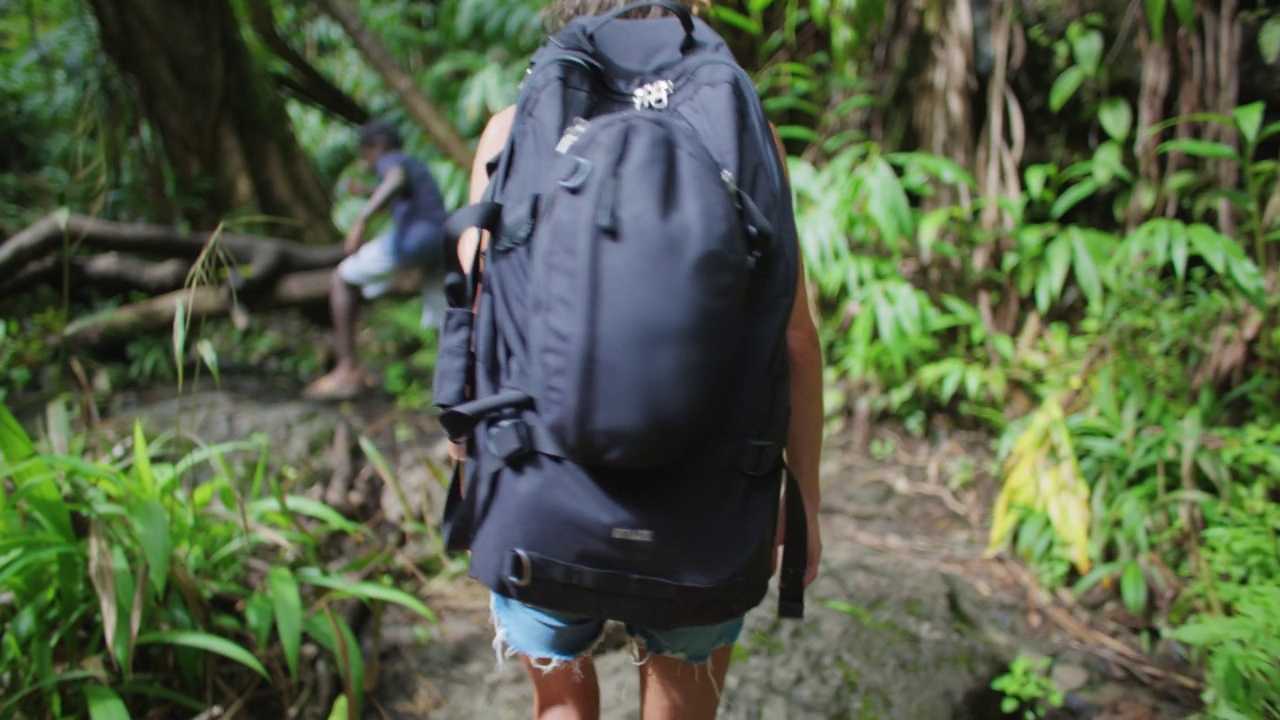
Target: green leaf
(1199, 148)
(1085, 267)
(287, 602)
(1116, 117)
(339, 711)
(305, 506)
(1155, 17)
(179, 338)
(1179, 250)
(1037, 179)
(258, 618)
(1053, 274)
(350, 661)
(728, 16)
(1073, 196)
(152, 525)
(1087, 50)
(1249, 120)
(209, 355)
(104, 704)
(142, 462)
(1269, 40)
(1186, 12)
(207, 642)
(1133, 588)
(366, 591)
(1211, 245)
(1065, 86)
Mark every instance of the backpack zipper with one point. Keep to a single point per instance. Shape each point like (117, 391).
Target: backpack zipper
(678, 124)
(594, 70)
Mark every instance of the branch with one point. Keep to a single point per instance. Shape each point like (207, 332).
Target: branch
(317, 97)
(422, 109)
(310, 85)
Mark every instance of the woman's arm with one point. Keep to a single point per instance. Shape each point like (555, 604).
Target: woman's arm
(492, 140)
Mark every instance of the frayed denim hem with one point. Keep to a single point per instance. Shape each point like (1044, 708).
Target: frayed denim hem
(505, 650)
(640, 655)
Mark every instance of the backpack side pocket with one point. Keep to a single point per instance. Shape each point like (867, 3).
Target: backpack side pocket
(453, 375)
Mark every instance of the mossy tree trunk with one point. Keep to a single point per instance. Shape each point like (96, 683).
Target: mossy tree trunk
(217, 114)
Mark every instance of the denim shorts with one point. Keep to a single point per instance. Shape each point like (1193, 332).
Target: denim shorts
(375, 267)
(552, 637)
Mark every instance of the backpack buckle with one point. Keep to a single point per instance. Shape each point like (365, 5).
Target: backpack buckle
(759, 457)
(519, 569)
(510, 440)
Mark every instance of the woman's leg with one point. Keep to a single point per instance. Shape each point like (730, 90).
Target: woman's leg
(570, 691)
(673, 688)
(555, 649)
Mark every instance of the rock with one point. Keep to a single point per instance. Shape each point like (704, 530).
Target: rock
(297, 432)
(1068, 678)
(885, 637)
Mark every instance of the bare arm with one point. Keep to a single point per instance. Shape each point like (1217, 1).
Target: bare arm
(491, 143)
(804, 434)
(391, 184)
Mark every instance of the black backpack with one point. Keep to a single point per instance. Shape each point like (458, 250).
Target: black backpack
(622, 385)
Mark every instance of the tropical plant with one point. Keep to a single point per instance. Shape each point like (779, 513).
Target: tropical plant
(160, 577)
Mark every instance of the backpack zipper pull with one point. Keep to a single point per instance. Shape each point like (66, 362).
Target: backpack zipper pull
(571, 134)
(654, 95)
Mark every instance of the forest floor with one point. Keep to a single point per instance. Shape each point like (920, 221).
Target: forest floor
(909, 619)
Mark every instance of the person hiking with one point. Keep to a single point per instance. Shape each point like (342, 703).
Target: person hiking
(372, 268)
(554, 521)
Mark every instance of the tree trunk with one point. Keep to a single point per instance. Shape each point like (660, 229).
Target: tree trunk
(219, 118)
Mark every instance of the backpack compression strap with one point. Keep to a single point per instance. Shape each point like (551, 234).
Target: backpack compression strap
(459, 284)
(795, 553)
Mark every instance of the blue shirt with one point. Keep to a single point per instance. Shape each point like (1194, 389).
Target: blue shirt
(417, 210)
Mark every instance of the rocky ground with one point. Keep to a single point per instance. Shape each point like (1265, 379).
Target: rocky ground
(908, 619)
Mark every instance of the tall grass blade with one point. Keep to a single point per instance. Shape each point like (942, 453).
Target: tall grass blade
(179, 339)
(152, 525)
(142, 462)
(102, 575)
(366, 591)
(207, 642)
(287, 603)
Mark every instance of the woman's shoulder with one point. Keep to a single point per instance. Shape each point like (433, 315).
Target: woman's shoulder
(496, 131)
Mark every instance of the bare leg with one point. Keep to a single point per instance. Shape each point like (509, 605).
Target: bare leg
(565, 693)
(343, 304)
(344, 380)
(675, 689)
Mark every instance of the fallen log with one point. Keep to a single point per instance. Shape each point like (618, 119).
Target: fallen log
(255, 260)
(108, 272)
(158, 312)
(301, 289)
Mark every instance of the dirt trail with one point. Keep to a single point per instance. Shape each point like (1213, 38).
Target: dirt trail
(907, 620)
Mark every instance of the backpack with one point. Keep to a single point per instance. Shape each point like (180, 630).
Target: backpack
(622, 383)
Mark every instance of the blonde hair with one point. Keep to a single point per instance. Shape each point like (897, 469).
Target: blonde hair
(558, 13)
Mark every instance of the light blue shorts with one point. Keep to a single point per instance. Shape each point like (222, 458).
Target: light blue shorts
(375, 268)
(550, 638)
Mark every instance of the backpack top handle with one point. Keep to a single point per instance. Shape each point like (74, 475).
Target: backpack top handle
(675, 8)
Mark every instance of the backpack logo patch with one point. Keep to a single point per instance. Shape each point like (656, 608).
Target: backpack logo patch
(633, 535)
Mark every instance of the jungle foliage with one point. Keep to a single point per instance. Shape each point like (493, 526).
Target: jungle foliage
(1055, 221)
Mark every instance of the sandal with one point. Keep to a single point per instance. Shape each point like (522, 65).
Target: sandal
(331, 387)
